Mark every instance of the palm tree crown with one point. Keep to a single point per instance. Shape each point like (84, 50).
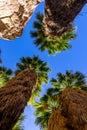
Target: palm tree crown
(69, 79)
(39, 67)
(46, 42)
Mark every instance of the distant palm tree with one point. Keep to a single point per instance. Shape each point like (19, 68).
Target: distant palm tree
(49, 103)
(5, 75)
(59, 15)
(44, 108)
(46, 42)
(17, 92)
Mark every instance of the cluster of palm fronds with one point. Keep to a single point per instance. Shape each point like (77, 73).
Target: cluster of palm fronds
(46, 42)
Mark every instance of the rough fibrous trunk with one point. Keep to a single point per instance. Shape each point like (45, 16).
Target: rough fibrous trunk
(57, 121)
(72, 114)
(74, 108)
(59, 14)
(14, 14)
(14, 97)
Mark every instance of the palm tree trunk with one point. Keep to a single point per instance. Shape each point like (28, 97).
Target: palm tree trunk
(14, 97)
(59, 15)
(74, 108)
(72, 114)
(57, 121)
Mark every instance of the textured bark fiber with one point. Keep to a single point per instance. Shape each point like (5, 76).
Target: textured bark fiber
(14, 97)
(72, 114)
(59, 14)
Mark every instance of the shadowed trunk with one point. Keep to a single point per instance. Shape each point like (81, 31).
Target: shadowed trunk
(72, 114)
(14, 97)
(59, 14)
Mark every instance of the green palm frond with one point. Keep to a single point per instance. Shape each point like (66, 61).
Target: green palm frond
(44, 108)
(5, 75)
(45, 42)
(69, 79)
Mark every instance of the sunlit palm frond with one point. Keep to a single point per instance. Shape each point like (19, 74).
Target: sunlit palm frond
(5, 75)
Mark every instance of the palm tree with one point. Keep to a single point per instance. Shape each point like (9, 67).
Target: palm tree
(39, 67)
(72, 114)
(46, 42)
(48, 107)
(67, 82)
(17, 92)
(5, 75)
(59, 15)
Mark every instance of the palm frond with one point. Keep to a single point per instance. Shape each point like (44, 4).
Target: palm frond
(46, 42)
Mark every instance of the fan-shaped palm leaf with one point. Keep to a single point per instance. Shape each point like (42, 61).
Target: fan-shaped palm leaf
(69, 79)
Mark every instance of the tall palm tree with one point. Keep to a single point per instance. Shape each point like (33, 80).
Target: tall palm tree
(46, 42)
(69, 82)
(5, 75)
(49, 103)
(17, 92)
(59, 15)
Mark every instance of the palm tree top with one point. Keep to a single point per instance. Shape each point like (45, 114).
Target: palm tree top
(69, 79)
(38, 66)
(46, 42)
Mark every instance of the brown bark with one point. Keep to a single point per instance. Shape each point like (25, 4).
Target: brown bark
(57, 121)
(14, 97)
(59, 14)
(72, 114)
(74, 108)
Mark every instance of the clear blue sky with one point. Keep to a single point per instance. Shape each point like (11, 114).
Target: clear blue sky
(72, 59)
